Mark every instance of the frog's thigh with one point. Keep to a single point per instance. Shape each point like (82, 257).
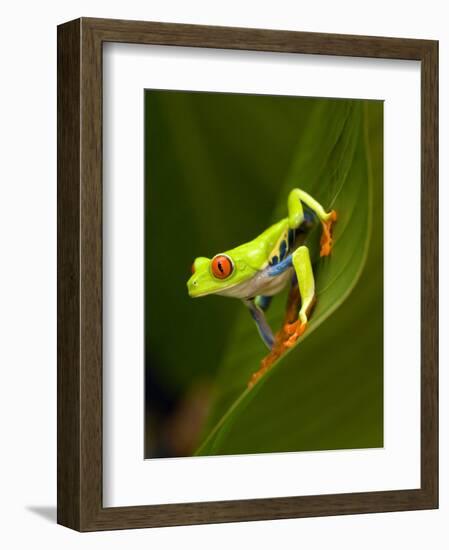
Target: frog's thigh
(306, 281)
(295, 210)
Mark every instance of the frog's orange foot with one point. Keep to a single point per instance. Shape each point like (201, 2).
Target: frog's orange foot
(285, 339)
(257, 375)
(267, 361)
(326, 237)
(294, 330)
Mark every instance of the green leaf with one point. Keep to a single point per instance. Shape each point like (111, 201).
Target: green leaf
(326, 392)
(213, 166)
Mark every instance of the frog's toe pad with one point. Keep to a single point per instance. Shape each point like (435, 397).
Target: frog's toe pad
(326, 236)
(294, 330)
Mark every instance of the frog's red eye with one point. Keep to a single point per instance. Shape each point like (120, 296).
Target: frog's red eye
(221, 266)
(192, 269)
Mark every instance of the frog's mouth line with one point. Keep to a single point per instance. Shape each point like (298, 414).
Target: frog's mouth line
(194, 294)
(197, 295)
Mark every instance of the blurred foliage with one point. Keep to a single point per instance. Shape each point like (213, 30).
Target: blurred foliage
(218, 170)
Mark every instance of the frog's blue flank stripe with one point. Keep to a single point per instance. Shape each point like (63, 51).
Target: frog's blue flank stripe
(280, 267)
(282, 250)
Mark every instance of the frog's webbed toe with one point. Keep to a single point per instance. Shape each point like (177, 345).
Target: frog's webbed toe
(326, 236)
(294, 330)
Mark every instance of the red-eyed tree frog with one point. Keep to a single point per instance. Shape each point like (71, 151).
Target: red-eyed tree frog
(256, 271)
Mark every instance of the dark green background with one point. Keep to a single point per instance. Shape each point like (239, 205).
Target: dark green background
(217, 171)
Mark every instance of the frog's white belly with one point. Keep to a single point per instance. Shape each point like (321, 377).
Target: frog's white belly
(261, 284)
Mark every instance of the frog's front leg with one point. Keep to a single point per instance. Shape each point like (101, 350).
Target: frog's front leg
(306, 283)
(257, 313)
(295, 323)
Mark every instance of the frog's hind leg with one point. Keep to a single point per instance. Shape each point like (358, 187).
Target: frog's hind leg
(278, 348)
(296, 217)
(257, 313)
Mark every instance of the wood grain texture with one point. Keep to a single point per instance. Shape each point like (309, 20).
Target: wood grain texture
(80, 274)
(69, 408)
(429, 272)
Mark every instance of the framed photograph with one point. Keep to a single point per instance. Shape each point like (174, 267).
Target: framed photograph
(247, 274)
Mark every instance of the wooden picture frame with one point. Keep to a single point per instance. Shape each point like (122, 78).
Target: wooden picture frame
(80, 503)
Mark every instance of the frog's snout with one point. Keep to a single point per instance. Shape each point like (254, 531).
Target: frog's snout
(192, 287)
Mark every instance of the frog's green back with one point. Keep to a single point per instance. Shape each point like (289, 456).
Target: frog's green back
(258, 252)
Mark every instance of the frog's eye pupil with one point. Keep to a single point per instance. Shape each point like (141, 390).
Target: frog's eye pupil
(222, 266)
